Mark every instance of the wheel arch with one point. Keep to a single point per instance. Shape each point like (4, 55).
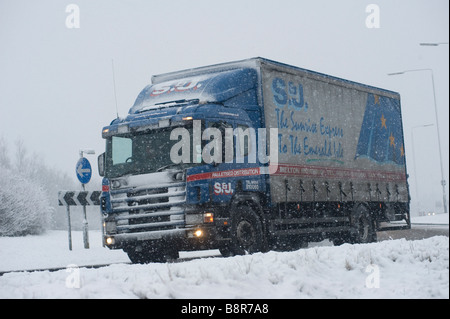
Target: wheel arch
(251, 199)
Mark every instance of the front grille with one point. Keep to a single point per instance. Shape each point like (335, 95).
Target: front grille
(151, 208)
(142, 197)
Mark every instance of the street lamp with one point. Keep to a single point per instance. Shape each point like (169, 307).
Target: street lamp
(443, 183)
(87, 152)
(414, 161)
(432, 44)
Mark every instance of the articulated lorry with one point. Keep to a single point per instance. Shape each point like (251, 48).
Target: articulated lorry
(249, 156)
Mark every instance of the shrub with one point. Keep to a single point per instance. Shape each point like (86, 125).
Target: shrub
(24, 205)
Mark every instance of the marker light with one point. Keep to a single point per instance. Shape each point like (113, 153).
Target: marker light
(105, 132)
(187, 118)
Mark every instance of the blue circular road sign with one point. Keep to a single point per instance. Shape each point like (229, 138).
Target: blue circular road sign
(83, 170)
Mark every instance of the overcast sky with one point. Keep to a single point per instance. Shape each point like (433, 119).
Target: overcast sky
(56, 87)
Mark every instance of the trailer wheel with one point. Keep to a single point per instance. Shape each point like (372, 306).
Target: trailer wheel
(247, 234)
(363, 226)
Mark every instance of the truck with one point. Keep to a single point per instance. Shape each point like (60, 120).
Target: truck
(250, 156)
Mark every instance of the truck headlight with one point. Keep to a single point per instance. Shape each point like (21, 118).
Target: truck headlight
(196, 219)
(208, 218)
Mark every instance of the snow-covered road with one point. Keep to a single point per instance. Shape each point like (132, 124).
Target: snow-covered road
(388, 269)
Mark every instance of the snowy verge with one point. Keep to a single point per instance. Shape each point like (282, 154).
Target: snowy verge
(388, 269)
(51, 250)
(438, 219)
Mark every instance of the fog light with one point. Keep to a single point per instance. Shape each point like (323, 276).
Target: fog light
(110, 241)
(208, 217)
(198, 233)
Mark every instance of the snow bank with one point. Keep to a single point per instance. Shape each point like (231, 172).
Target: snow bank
(51, 250)
(389, 269)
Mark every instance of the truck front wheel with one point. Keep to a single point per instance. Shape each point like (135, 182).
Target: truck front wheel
(146, 254)
(247, 234)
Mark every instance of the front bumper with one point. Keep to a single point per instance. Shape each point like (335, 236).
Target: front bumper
(156, 213)
(189, 238)
(200, 231)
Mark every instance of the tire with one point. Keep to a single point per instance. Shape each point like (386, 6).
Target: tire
(342, 239)
(225, 251)
(290, 243)
(247, 235)
(144, 255)
(363, 226)
(139, 257)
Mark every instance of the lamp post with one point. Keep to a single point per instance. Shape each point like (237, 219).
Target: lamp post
(443, 183)
(414, 161)
(432, 44)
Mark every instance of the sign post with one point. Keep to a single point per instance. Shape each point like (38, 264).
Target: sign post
(84, 173)
(77, 198)
(69, 227)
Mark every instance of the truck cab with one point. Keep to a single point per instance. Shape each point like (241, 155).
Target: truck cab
(149, 209)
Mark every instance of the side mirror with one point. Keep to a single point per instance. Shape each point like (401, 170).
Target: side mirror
(101, 164)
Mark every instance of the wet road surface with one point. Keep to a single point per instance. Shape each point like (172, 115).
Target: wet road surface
(417, 231)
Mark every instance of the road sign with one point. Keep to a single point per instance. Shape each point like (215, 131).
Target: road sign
(83, 170)
(79, 198)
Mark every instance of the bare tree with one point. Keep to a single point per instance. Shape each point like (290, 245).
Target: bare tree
(4, 157)
(20, 163)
